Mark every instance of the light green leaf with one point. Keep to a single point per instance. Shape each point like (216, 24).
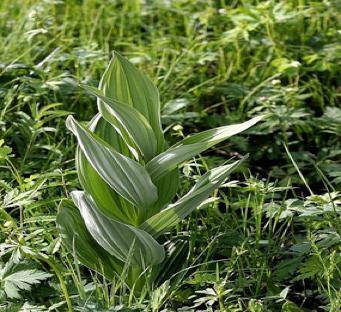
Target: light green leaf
(110, 202)
(125, 176)
(174, 213)
(79, 242)
(123, 82)
(117, 238)
(105, 197)
(167, 187)
(193, 145)
(5, 151)
(135, 125)
(107, 132)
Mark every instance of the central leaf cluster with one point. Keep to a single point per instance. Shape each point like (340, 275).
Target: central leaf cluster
(129, 175)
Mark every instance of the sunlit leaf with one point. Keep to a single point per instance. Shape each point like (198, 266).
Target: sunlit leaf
(107, 200)
(174, 213)
(123, 82)
(123, 174)
(135, 125)
(118, 238)
(80, 242)
(193, 145)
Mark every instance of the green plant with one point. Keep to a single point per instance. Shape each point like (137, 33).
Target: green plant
(15, 277)
(215, 63)
(129, 176)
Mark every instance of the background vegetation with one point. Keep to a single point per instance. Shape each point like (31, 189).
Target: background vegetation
(269, 240)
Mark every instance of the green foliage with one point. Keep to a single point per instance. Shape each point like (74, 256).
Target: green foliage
(133, 166)
(16, 277)
(259, 243)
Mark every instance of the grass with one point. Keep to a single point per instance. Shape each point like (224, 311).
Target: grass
(268, 240)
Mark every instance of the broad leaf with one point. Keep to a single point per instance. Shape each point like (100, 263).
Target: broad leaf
(167, 187)
(110, 202)
(118, 238)
(106, 132)
(123, 82)
(174, 213)
(193, 145)
(79, 241)
(135, 125)
(125, 176)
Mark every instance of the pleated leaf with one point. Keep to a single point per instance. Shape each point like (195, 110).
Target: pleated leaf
(176, 259)
(174, 213)
(125, 242)
(107, 200)
(107, 132)
(192, 146)
(135, 125)
(123, 82)
(79, 242)
(124, 175)
(167, 187)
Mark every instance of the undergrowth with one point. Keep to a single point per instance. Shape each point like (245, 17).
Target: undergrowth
(269, 238)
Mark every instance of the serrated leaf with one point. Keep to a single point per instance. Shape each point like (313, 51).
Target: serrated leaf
(15, 277)
(4, 150)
